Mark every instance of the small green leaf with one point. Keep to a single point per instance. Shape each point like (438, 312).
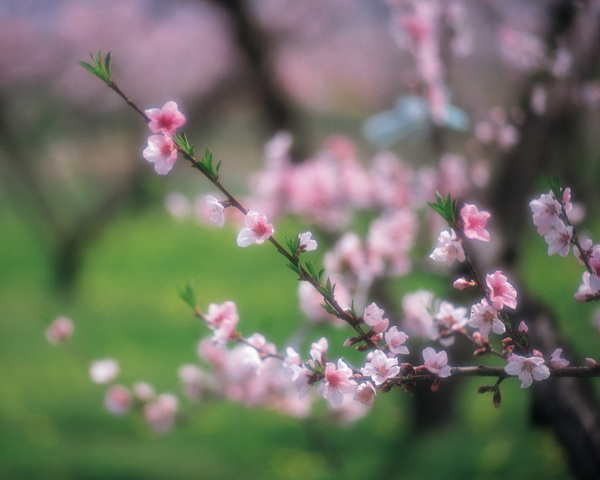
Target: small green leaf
(294, 268)
(329, 309)
(188, 294)
(555, 187)
(293, 245)
(107, 63)
(99, 67)
(445, 207)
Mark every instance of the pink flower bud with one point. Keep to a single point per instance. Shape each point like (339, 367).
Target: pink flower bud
(60, 330)
(118, 400)
(463, 284)
(523, 329)
(593, 364)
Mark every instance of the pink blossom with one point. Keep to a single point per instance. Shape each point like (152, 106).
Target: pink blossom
(448, 248)
(165, 120)
(193, 379)
(389, 240)
(291, 358)
(216, 211)
(307, 243)
(417, 313)
(222, 319)
(348, 257)
(162, 152)
(318, 350)
(463, 284)
(217, 314)
(484, 317)
(594, 258)
(589, 289)
(257, 229)
(303, 378)
(160, 414)
(501, 292)
(373, 317)
(336, 383)
(546, 210)
(448, 320)
(474, 223)
(365, 394)
(264, 348)
(587, 247)
(523, 328)
(437, 362)
(559, 239)
(381, 367)
(395, 340)
(60, 330)
(528, 369)
(177, 205)
(143, 392)
(592, 363)
(118, 400)
(104, 371)
(556, 360)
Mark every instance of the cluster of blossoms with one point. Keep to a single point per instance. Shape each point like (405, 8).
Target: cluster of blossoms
(486, 315)
(162, 149)
(327, 189)
(159, 411)
(253, 372)
(553, 215)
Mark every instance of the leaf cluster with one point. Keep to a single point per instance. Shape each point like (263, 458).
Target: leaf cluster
(99, 67)
(446, 207)
(188, 294)
(557, 190)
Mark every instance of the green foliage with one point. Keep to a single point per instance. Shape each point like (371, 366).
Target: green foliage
(207, 165)
(54, 426)
(188, 294)
(311, 268)
(446, 207)
(99, 67)
(555, 187)
(183, 143)
(293, 245)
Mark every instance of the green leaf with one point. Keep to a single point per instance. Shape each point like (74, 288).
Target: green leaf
(100, 68)
(329, 309)
(445, 207)
(188, 294)
(107, 63)
(555, 187)
(293, 245)
(294, 268)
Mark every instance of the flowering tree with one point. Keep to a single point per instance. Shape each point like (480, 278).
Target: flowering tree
(403, 205)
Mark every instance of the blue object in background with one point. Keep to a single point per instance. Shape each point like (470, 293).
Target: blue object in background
(410, 116)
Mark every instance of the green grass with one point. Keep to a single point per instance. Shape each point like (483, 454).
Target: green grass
(126, 306)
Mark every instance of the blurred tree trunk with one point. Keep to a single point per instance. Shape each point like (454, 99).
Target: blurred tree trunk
(550, 144)
(256, 46)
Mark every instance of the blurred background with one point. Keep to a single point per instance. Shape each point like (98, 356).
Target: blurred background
(86, 234)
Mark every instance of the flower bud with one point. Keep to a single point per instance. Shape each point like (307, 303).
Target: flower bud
(497, 398)
(463, 284)
(593, 364)
(386, 387)
(523, 329)
(377, 337)
(407, 368)
(60, 330)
